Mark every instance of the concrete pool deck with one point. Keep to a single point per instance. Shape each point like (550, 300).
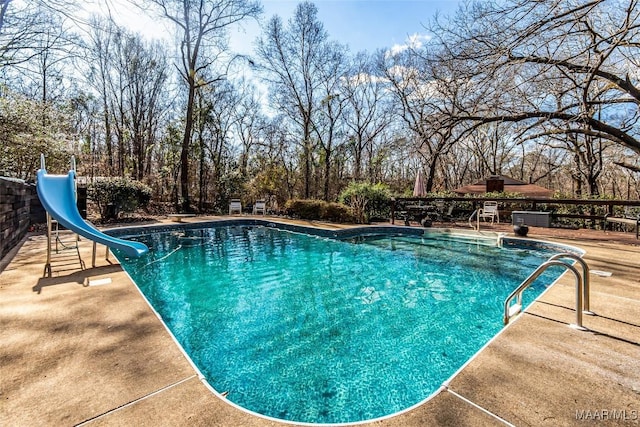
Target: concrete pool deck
(97, 355)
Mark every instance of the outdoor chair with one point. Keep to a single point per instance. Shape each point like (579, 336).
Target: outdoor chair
(235, 206)
(260, 207)
(489, 211)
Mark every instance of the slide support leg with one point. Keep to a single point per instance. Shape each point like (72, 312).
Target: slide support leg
(47, 266)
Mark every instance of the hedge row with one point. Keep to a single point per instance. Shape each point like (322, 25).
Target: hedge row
(319, 210)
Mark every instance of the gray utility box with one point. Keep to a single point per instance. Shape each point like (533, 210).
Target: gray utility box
(534, 219)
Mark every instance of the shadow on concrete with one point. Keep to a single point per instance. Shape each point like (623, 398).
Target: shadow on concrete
(8, 257)
(622, 322)
(592, 330)
(613, 337)
(79, 276)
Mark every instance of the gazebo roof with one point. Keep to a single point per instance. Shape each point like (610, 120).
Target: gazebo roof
(510, 186)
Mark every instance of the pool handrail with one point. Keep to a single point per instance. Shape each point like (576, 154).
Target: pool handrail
(511, 311)
(474, 214)
(586, 284)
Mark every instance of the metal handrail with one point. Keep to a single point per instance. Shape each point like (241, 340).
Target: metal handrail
(476, 214)
(517, 308)
(586, 284)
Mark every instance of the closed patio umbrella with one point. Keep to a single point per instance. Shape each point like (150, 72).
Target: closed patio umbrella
(418, 188)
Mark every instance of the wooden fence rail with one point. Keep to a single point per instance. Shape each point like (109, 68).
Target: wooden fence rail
(607, 207)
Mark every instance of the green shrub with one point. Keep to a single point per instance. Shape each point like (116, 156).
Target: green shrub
(337, 212)
(318, 210)
(303, 209)
(367, 200)
(575, 209)
(115, 195)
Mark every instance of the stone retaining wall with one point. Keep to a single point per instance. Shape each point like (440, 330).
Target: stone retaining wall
(19, 208)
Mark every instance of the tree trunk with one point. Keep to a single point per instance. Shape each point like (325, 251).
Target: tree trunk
(357, 173)
(327, 173)
(201, 190)
(432, 174)
(307, 168)
(184, 155)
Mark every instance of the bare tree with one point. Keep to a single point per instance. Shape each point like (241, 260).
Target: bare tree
(425, 98)
(291, 59)
(130, 75)
(22, 25)
(368, 110)
(327, 123)
(249, 121)
(214, 124)
(43, 76)
(274, 165)
(146, 75)
(20, 28)
(550, 62)
(202, 29)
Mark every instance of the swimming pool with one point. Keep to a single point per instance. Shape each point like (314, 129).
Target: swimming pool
(313, 329)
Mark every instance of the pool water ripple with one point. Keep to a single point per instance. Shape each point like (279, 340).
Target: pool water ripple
(311, 329)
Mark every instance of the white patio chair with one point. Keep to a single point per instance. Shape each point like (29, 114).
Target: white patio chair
(260, 207)
(235, 206)
(489, 211)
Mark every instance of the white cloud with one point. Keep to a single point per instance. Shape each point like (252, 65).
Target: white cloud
(400, 71)
(396, 49)
(126, 14)
(363, 79)
(414, 41)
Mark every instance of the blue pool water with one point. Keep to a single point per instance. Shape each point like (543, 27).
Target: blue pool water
(311, 329)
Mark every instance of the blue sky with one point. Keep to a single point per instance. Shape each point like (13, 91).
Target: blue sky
(368, 24)
(361, 24)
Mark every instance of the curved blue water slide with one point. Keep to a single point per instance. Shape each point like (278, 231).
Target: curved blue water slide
(57, 195)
